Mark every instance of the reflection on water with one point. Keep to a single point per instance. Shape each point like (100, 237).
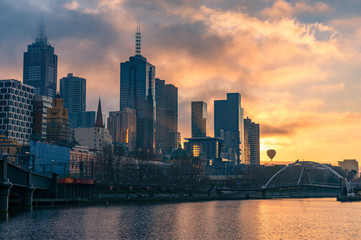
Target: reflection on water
(251, 219)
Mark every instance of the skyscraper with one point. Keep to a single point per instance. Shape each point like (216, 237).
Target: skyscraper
(171, 117)
(199, 119)
(41, 105)
(40, 66)
(167, 116)
(137, 91)
(73, 92)
(251, 132)
(228, 124)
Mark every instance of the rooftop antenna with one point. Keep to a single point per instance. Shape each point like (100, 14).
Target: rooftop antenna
(138, 38)
(41, 34)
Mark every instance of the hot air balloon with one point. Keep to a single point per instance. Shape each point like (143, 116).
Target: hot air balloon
(271, 153)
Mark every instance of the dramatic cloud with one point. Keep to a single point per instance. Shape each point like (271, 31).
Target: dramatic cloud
(296, 63)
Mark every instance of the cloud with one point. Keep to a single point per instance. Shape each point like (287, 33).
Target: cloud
(328, 87)
(283, 8)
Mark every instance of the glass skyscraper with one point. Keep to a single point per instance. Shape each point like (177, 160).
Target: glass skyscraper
(199, 119)
(228, 125)
(137, 91)
(40, 66)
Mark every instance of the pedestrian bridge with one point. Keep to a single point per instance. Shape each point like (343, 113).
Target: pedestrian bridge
(304, 173)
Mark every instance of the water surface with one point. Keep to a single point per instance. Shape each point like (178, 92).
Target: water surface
(251, 219)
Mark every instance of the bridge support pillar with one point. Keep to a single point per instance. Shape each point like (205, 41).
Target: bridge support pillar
(28, 197)
(4, 196)
(264, 195)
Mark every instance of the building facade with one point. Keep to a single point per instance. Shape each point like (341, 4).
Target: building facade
(137, 91)
(349, 165)
(40, 105)
(82, 119)
(122, 127)
(160, 117)
(252, 142)
(57, 127)
(95, 138)
(83, 163)
(41, 66)
(16, 109)
(199, 119)
(228, 125)
(209, 147)
(73, 92)
(51, 158)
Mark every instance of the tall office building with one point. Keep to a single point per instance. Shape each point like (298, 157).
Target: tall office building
(16, 109)
(40, 66)
(228, 125)
(137, 91)
(160, 117)
(73, 92)
(251, 132)
(199, 119)
(167, 116)
(171, 117)
(82, 119)
(41, 105)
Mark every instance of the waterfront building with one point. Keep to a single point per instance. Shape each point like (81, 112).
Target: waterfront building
(50, 158)
(228, 125)
(73, 92)
(57, 128)
(122, 127)
(82, 119)
(349, 165)
(252, 142)
(137, 91)
(210, 147)
(40, 66)
(199, 119)
(40, 106)
(16, 109)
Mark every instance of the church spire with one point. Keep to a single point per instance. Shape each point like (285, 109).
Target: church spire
(99, 120)
(138, 40)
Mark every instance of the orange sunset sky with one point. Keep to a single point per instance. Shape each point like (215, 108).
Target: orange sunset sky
(297, 64)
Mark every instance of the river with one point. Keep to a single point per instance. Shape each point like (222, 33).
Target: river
(248, 219)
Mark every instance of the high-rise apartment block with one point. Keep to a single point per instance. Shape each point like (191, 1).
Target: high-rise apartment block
(252, 142)
(41, 105)
(40, 66)
(73, 92)
(199, 119)
(137, 91)
(228, 125)
(16, 109)
(57, 129)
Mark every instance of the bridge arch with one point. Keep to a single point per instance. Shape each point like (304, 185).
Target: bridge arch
(304, 163)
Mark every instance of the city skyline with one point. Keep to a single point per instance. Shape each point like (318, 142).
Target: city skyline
(300, 83)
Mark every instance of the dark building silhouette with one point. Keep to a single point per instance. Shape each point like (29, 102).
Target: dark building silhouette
(167, 116)
(199, 119)
(82, 119)
(228, 125)
(252, 142)
(40, 66)
(137, 91)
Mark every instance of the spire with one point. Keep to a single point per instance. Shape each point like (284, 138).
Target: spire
(138, 40)
(99, 120)
(41, 34)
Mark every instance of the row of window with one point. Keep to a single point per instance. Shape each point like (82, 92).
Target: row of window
(9, 85)
(15, 122)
